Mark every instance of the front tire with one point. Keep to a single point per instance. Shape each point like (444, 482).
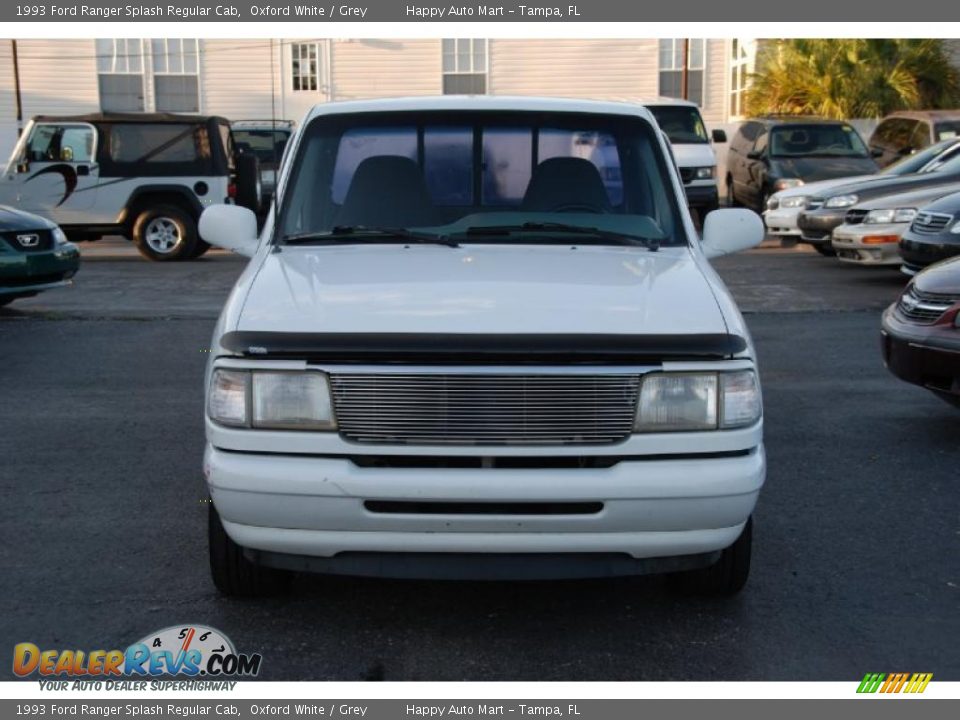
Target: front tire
(165, 233)
(233, 574)
(825, 249)
(727, 576)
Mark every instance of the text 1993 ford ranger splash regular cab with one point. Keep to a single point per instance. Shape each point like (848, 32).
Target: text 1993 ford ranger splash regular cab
(479, 338)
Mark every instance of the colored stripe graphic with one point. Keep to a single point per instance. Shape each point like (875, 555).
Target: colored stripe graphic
(894, 683)
(871, 682)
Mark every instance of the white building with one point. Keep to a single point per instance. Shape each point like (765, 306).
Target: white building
(262, 78)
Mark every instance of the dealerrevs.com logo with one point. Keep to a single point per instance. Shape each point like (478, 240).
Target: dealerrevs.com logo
(186, 651)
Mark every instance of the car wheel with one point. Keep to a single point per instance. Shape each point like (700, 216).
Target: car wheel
(726, 577)
(825, 249)
(165, 233)
(731, 198)
(233, 574)
(199, 249)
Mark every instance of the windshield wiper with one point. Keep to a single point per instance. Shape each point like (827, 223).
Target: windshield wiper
(652, 244)
(341, 233)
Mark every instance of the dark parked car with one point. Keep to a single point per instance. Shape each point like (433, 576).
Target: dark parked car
(771, 154)
(904, 133)
(824, 212)
(933, 235)
(921, 332)
(34, 255)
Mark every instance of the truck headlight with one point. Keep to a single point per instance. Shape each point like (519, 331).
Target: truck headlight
(786, 183)
(292, 400)
(288, 400)
(705, 173)
(841, 201)
(671, 402)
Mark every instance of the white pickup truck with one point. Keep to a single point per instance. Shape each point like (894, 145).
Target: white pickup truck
(464, 346)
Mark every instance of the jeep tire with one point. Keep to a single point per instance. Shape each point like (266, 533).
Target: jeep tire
(726, 577)
(233, 574)
(165, 233)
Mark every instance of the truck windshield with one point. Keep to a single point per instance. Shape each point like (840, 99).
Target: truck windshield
(447, 171)
(682, 124)
(822, 140)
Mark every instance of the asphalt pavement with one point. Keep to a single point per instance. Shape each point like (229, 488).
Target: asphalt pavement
(102, 519)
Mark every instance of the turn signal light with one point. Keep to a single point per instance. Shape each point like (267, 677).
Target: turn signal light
(880, 239)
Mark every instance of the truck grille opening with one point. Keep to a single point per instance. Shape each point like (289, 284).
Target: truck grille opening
(455, 462)
(484, 409)
(399, 507)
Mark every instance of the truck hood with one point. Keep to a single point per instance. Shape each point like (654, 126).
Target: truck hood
(488, 289)
(821, 168)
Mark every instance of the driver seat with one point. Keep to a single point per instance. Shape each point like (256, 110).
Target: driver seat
(562, 182)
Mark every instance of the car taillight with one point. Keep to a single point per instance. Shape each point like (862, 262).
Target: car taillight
(232, 190)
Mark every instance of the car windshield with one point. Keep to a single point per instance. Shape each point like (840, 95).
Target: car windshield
(820, 139)
(480, 176)
(266, 144)
(947, 129)
(682, 124)
(919, 160)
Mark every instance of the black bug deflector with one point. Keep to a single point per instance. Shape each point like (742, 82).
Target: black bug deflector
(482, 349)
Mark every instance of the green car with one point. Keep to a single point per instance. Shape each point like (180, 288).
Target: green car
(34, 255)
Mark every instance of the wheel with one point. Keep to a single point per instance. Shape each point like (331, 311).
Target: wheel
(726, 576)
(232, 573)
(249, 187)
(825, 249)
(731, 198)
(165, 233)
(199, 249)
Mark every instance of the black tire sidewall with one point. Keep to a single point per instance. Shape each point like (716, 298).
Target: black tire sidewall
(185, 223)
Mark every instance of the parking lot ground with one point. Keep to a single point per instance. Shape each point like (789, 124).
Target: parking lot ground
(102, 508)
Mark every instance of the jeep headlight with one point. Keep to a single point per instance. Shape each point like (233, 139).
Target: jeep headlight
(278, 400)
(841, 201)
(672, 402)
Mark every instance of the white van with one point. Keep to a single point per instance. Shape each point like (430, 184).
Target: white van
(466, 346)
(692, 148)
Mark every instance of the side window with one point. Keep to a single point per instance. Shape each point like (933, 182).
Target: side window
(760, 145)
(507, 161)
(166, 143)
(448, 164)
(884, 132)
(921, 136)
(60, 143)
(358, 145)
(745, 137)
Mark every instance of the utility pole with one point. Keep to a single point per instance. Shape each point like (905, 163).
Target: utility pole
(16, 87)
(684, 74)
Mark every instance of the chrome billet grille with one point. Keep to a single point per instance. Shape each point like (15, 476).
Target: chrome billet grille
(929, 223)
(484, 409)
(924, 308)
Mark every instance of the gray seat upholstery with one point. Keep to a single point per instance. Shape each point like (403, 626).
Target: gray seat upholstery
(566, 183)
(387, 191)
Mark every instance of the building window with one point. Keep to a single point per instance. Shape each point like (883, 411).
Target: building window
(305, 66)
(176, 74)
(120, 74)
(464, 67)
(672, 53)
(742, 53)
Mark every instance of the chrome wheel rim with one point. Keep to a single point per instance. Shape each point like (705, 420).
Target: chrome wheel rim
(162, 235)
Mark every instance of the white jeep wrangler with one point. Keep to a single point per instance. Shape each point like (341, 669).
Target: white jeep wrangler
(480, 337)
(146, 177)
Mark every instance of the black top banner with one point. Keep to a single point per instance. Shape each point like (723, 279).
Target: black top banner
(421, 11)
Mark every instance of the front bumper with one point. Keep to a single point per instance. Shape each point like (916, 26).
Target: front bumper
(703, 197)
(782, 221)
(27, 273)
(317, 506)
(924, 355)
(849, 242)
(917, 252)
(816, 226)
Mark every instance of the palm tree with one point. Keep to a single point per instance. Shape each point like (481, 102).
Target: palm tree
(852, 78)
